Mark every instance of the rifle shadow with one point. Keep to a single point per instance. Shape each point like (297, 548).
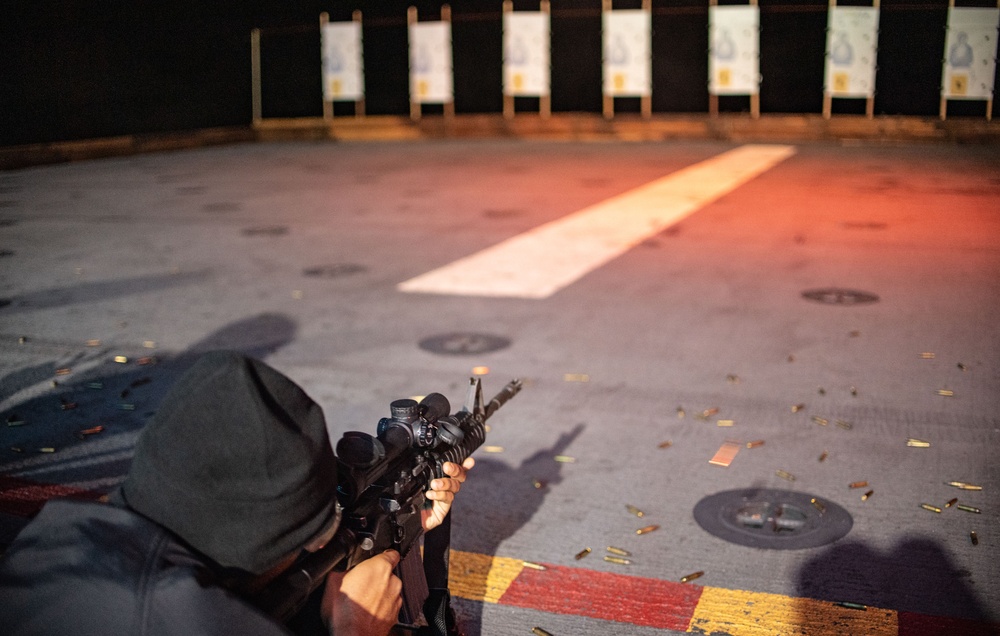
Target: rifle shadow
(44, 441)
(496, 502)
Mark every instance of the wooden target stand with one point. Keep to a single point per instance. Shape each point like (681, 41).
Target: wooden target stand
(989, 100)
(415, 106)
(645, 101)
(828, 97)
(713, 99)
(544, 101)
(359, 104)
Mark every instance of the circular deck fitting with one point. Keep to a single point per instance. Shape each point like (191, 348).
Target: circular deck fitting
(772, 519)
(334, 271)
(835, 296)
(464, 343)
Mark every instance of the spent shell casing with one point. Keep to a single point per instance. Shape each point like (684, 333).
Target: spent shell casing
(480, 370)
(538, 631)
(917, 443)
(930, 508)
(797, 407)
(867, 495)
(619, 551)
(726, 423)
(692, 576)
(666, 444)
(125, 406)
(146, 360)
(582, 553)
(822, 421)
(492, 449)
(534, 566)
(951, 502)
(576, 377)
(66, 405)
(618, 560)
(564, 459)
(64, 371)
(15, 421)
(538, 483)
(149, 344)
(818, 504)
(121, 359)
(647, 529)
(967, 508)
(94, 342)
(854, 391)
(961, 485)
(823, 456)
(845, 425)
(854, 606)
(710, 411)
(785, 475)
(946, 392)
(974, 537)
(46, 449)
(95, 385)
(927, 355)
(755, 443)
(857, 484)
(634, 510)
(962, 367)
(680, 412)
(17, 449)
(93, 430)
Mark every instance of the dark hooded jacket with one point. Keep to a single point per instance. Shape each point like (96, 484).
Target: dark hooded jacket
(234, 473)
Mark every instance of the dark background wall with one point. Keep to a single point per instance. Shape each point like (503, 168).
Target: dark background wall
(76, 69)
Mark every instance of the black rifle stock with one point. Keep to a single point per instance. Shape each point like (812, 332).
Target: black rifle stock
(381, 484)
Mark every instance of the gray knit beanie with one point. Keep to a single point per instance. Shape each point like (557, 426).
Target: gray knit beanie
(237, 462)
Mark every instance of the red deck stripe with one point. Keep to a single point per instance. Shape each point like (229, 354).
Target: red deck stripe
(24, 498)
(912, 624)
(612, 597)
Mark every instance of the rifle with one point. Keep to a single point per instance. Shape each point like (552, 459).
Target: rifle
(381, 481)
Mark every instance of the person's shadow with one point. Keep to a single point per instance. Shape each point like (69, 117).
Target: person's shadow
(917, 580)
(74, 435)
(493, 505)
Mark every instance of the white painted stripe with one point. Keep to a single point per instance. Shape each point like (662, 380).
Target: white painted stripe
(542, 261)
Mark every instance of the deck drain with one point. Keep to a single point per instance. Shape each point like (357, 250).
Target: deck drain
(334, 271)
(464, 343)
(772, 519)
(835, 296)
(266, 230)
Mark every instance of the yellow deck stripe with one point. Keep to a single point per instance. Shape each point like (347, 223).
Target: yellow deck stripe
(480, 577)
(740, 613)
(540, 262)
